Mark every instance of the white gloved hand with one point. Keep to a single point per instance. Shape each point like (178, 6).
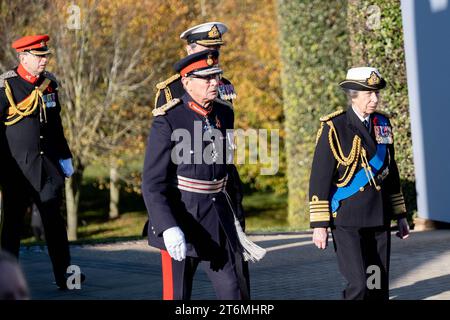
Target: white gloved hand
(66, 166)
(175, 243)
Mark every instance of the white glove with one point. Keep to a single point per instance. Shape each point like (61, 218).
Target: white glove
(175, 243)
(66, 166)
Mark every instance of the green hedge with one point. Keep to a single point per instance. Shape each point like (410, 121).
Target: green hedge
(319, 42)
(378, 42)
(314, 50)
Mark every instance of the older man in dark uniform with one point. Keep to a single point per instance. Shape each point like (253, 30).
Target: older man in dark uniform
(191, 214)
(205, 36)
(355, 187)
(35, 156)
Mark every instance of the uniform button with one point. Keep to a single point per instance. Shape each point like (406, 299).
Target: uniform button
(213, 199)
(42, 152)
(215, 180)
(42, 137)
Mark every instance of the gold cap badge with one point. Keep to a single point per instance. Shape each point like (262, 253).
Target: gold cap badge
(374, 79)
(214, 32)
(210, 60)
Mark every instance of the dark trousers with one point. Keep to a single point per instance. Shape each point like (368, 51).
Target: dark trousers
(17, 197)
(361, 251)
(221, 271)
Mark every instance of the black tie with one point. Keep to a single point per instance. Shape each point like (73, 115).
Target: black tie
(366, 124)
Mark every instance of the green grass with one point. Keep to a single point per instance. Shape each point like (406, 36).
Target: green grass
(265, 212)
(129, 224)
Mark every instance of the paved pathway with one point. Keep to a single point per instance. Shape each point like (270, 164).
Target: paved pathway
(292, 269)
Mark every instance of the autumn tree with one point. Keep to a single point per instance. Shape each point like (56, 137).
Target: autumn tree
(111, 58)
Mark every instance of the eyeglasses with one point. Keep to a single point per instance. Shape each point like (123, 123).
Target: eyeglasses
(208, 78)
(40, 57)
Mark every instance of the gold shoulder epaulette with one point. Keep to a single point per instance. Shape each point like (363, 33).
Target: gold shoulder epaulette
(325, 119)
(331, 115)
(166, 82)
(169, 105)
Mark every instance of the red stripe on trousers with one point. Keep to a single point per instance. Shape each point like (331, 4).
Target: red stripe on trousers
(166, 262)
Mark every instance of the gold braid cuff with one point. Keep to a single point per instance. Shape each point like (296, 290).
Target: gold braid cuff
(398, 203)
(319, 210)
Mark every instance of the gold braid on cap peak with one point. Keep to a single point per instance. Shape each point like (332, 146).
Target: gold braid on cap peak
(211, 42)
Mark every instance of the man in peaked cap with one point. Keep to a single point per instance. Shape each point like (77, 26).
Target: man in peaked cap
(35, 156)
(355, 187)
(192, 216)
(198, 38)
(206, 36)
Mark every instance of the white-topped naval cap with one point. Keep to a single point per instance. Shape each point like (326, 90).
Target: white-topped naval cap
(209, 33)
(361, 73)
(363, 79)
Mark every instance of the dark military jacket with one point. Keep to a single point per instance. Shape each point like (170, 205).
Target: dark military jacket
(198, 215)
(35, 143)
(172, 88)
(342, 137)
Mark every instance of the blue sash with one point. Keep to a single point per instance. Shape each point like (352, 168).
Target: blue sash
(360, 179)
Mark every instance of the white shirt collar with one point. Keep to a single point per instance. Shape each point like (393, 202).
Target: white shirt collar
(359, 116)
